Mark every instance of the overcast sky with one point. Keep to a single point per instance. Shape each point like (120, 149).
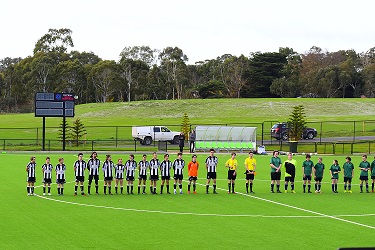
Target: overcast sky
(203, 29)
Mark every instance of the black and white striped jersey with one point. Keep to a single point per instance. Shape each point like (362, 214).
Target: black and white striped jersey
(165, 168)
(60, 171)
(130, 167)
(211, 163)
(143, 166)
(154, 166)
(80, 167)
(93, 166)
(107, 168)
(178, 166)
(47, 171)
(31, 169)
(119, 171)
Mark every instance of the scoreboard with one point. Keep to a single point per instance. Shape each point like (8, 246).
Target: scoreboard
(54, 104)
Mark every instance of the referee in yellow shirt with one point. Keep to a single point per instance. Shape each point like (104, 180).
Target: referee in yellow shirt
(231, 164)
(250, 165)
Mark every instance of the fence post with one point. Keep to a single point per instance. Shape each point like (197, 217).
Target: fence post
(92, 145)
(321, 131)
(4, 145)
(316, 147)
(49, 145)
(334, 148)
(116, 135)
(354, 131)
(135, 145)
(262, 132)
(351, 148)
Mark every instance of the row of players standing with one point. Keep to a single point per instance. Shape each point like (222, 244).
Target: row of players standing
(122, 171)
(317, 172)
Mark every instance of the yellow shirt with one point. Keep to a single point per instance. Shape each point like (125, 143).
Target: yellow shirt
(250, 163)
(232, 164)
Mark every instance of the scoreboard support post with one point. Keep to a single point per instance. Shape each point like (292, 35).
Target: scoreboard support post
(44, 134)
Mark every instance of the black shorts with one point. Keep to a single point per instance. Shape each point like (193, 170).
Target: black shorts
(154, 177)
(108, 178)
(143, 177)
(249, 176)
(211, 175)
(348, 179)
(363, 178)
(95, 177)
(289, 178)
(193, 178)
(318, 179)
(166, 178)
(275, 176)
(178, 176)
(372, 177)
(80, 178)
(130, 178)
(47, 180)
(232, 174)
(60, 181)
(307, 177)
(31, 179)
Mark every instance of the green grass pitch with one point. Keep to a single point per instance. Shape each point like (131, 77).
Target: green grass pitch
(260, 221)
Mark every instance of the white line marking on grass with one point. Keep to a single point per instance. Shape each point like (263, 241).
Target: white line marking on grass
(302, 209)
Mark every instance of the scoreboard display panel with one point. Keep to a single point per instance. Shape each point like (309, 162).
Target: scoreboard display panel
(54, 104)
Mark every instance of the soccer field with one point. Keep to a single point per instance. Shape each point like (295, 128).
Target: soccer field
(225, 221)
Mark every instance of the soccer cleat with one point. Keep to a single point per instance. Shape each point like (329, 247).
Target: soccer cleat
(97, 193)
(175, 192)
(316, 191)
(293, 192)
(188, 192)
(144, 193)
(168, 193)
(195, 192)
(350, 191)
(233, 192)
(309, 192)
(181, 192)
(345, 191)
(83, 194)
(286, 191)
(44, 194)
(372, 191)
(278, 191)
(49, 194)
(75, 194)
(229, 192)
(207, 193)
(252, 192)
(272, 191)
(28, 194)
(215, 192)
(367, 191)
(361, 191)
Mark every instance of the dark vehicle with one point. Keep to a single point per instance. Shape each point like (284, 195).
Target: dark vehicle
(280, 132)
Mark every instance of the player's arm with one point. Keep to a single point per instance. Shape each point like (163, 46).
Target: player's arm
(331, 173)
(255, 165)
(314, 171)
(303, 170)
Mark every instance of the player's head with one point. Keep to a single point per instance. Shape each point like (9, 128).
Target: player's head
(119, 160)
(251, 154)
(48, 160)
(290, 155)
(364, 157)
(108, 157)
(233, 154)
(144, 157)
(194, 158)
(154, 155)
(212, 151)
(94, 155)
(320, 159)
(61, 160)
(131, 157)
(348, 159)
(179, 155)
(275, 153)
(32, 158)
(80, 155)
(335, 162)
(166, 156)
(308, 157)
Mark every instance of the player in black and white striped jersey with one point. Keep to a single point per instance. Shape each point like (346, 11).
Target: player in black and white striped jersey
(31, 176)
(211, 165)
(79, 169)
(60, 176)
(47, 169)
(165, 170)
(93, 167)
(143, 165)
(108, 174)
(154, 172)
(119, 175)
(130, 167)
(178, 167)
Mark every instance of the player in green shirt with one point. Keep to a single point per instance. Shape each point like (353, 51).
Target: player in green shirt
(348, 174)
(373, 174)
(307, 167)
(318, 175)
(335, 170)
(275, 164)
(290, 172)
(364, 166)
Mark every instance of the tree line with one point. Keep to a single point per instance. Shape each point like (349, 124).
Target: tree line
(144, 73)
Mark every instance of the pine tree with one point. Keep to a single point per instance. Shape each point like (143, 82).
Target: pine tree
(77, 130)
(67, 130)
(296, 123)
(185, 128)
